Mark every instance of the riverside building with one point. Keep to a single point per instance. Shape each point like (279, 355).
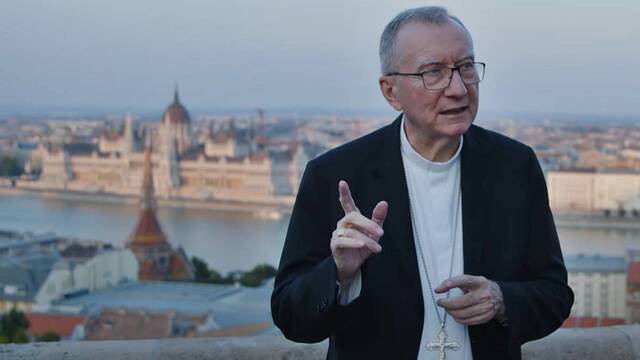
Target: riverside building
(225, 166)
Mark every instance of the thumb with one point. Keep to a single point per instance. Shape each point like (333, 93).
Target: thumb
(380, 213)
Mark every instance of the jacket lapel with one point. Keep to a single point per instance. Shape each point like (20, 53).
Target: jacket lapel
(475, 187)
(391, 177)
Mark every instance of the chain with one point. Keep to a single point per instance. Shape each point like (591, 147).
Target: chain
(424, 263)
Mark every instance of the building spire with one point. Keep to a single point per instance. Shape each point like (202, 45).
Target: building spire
(176, 98)
(148, 198)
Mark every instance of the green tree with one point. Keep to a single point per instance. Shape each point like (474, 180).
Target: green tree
(9, 166)
(250, 280)
(204, 274)
(217, 278)
(264, 271)
(202, 271)
(49, 336)
(13, 327)
(21, 337)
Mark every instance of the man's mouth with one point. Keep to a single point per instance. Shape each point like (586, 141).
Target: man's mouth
(454, 111)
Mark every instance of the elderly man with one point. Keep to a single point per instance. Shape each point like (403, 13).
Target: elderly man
(430, 238)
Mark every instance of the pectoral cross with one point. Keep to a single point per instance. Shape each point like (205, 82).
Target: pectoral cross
(442, 345)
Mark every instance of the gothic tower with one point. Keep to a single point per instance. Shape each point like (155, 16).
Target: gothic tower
(148, 242)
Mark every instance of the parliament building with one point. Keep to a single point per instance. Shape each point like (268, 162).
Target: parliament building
(223, 166)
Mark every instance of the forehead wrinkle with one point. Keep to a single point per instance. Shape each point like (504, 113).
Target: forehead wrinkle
(423, 60)
(414, 53)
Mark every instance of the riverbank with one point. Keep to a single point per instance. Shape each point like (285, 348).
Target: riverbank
(229, 241)
(261, 210)
(596, 221)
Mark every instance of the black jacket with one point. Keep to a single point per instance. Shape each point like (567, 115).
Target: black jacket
(508, 236)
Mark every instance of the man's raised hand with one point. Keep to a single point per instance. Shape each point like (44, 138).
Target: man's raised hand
(356, 237)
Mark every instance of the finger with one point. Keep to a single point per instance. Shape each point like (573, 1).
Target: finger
(380, 213)
(484, 308)
(354, 234)
(343, 242)
(348, 205)
(371, 244)
(459, 302)
(477, 320)
(360, 222)
(464, 282)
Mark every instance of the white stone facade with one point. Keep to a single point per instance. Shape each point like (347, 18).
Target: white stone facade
(598, 294)
(105, 269)
(593, 191)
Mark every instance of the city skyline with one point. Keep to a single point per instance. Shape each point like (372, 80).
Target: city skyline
(571, 57)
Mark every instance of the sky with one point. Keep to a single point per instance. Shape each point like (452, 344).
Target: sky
(556, 56)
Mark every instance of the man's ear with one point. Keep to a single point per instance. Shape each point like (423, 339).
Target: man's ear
(387, 87)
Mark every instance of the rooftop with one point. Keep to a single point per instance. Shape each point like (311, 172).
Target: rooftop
(229, 305)
(21, 277)
(61, 324)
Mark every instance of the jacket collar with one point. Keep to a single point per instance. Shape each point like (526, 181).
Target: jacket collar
(389, 172)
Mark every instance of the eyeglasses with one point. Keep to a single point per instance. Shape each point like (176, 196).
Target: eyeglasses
(438, 77)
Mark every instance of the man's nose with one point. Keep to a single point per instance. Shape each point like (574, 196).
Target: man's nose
(456, 87)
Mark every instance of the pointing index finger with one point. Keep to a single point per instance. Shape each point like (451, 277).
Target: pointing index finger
(348, 205)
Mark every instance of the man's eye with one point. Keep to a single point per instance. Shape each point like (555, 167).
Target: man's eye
(467, 67)
(433, 72)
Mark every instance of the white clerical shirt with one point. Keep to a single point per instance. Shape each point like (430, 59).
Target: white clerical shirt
(433, 194)
(433, 190)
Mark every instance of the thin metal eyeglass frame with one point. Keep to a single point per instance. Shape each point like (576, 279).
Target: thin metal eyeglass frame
(456, 68)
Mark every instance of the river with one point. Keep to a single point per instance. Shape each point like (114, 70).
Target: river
(227, 241)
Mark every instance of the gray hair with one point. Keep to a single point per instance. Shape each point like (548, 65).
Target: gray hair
(427, 14)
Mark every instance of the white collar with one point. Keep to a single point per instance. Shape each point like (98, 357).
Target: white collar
(410, 153)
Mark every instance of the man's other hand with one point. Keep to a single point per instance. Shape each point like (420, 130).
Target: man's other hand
(482, 300)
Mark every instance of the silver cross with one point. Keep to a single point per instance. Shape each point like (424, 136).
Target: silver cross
(442, 345)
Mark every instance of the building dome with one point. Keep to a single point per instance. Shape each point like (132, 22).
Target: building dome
(176, 113)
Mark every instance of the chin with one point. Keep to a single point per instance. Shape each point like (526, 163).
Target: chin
(458, 128)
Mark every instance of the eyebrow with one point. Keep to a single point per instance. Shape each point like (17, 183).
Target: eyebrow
(468, 57)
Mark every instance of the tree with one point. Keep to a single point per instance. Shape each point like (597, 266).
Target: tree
(250, 280)
(217, 278)
(13, 327)
(49, 336)
(210, 276)
(264, 271)
(21, 337)
(9, 166)
(257, 275)
(202, 272)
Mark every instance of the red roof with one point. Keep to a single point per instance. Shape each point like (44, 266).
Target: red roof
(590, 321)
(148, 231)
(61, 324)
(117, 324)
(179, 267)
